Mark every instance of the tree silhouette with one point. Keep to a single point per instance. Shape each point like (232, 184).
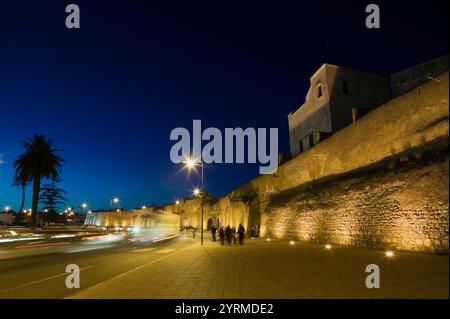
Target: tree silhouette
(22, 181)
(37, 162)
(51, 196)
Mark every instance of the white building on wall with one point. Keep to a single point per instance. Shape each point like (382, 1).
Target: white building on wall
(336, 97)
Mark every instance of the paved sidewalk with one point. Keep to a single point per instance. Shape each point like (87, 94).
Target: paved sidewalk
(276, 269)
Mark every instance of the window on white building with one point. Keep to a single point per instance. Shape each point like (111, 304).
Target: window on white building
(345, 87)
(319, 91)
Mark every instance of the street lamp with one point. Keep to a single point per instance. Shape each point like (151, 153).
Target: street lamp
(115, 200)
(190, 164)
(7, 209)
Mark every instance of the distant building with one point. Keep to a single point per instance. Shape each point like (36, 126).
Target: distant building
(336, 97)
(6, 218)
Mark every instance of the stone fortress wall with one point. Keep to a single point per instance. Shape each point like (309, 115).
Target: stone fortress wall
(325, 194)
(380, 182)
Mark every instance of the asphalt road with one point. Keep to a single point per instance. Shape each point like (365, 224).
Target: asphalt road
(44, 276)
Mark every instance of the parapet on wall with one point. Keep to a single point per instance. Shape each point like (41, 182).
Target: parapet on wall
(410, 78)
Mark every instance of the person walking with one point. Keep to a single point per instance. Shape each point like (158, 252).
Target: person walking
(228, 234)
(222, 235)
(241, 234)
(233, 235)
(213, 232)
(252, 231)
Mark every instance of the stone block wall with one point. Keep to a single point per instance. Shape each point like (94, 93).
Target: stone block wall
(404, 207)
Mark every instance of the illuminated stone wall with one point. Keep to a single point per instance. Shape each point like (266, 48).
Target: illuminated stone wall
(189, 210)
(398, 208)
(403, 207)
(143, 218)
(403, 217)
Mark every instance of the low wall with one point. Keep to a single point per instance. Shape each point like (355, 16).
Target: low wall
(142, 218)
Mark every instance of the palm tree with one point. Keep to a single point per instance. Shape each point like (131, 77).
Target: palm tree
(37, 162)
(22, 181)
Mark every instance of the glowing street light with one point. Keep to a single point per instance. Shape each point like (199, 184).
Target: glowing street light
(190, 163)
(327, 246)
(196, 191)
(177, 202)
(389, 253)
(84, 205)
(7, 209)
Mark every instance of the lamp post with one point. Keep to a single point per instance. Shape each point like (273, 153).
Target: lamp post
(115, 201)
(190, 163)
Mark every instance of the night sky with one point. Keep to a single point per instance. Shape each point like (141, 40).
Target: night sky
(110, 93)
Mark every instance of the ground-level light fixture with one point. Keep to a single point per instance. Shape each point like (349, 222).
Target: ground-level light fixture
(268, 239)
(292, 242)
(389, 253)
(327, 246)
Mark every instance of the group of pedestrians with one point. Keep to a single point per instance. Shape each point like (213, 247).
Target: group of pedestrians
(229, 235)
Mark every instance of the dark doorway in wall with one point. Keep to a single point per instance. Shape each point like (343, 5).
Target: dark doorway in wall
(210, 223)
(254, 216)
(311, 140)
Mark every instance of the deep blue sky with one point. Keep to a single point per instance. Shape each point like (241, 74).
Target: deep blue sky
(110, 93)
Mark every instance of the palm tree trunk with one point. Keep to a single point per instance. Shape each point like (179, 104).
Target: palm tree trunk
(34, 206)
(23, 197)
